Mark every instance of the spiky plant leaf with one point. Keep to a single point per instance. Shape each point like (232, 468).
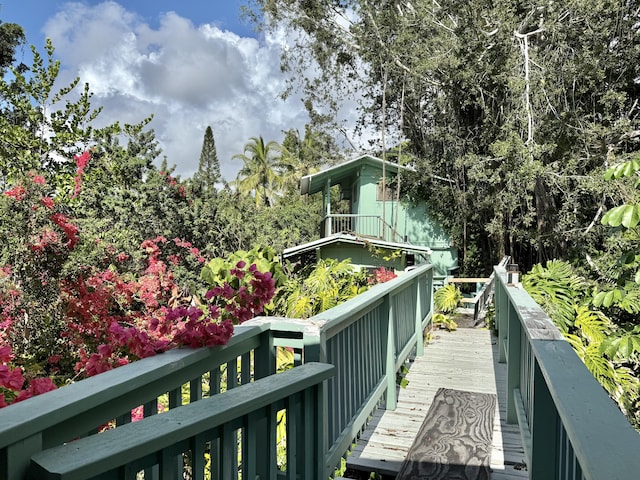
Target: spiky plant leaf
(593, 326)
(447, 298)
(555, 287)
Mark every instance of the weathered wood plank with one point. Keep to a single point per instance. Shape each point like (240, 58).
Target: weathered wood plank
(467, 280)
(455, 439)
(466, 359)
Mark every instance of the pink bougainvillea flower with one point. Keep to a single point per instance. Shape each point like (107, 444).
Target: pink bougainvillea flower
(39, 179)
(5, 354)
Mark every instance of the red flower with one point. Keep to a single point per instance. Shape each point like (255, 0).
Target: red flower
(47, 202)
(81, 162)
(17, 192)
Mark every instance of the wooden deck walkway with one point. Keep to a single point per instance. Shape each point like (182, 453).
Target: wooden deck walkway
(465, 359)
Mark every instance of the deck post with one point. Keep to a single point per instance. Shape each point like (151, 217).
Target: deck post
(544, 431)
(419, 316)
(390, 370)
(514, 331)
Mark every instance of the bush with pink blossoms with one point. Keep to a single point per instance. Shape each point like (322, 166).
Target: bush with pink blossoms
(58, 324)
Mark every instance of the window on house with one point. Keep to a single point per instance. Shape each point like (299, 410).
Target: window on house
(389, 192)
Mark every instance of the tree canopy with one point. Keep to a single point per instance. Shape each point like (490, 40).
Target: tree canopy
(511, 110)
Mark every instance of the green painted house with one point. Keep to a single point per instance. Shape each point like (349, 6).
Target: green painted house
(378, 225)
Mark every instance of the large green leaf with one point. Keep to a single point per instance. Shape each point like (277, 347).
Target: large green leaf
(625, 169)
(607, 299)
(621, 347)
(626, 215)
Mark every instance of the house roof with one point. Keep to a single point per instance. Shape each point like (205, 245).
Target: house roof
(339, 173)
(353, 240)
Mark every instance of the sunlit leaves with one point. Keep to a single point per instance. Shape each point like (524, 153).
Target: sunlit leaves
(626, 215)
(623, 346)
(625, 169)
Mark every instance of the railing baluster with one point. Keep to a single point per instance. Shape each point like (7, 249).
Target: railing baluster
(390, 354)
(198, 461)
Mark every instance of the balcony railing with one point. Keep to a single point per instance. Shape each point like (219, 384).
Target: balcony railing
(570, 427)
(372, 226)
(228, 428)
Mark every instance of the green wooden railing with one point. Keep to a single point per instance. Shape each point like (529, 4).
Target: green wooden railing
(570, 427)
(366, 225)
(235, 397)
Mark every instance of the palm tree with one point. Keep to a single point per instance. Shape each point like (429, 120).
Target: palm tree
(260, 173)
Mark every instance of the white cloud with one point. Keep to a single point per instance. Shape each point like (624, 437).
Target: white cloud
(189, 76)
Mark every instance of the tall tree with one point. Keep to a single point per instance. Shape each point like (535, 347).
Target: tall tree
(510, 108)
(208, 173)
(261, 170)
(11, 37)
(39, 125)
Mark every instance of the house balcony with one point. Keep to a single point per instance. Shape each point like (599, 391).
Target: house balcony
(368, 226)
(243, 418)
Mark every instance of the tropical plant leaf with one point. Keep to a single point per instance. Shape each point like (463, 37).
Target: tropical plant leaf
(555, 288)
(624, 169)
(593, 326)
(621, 347)
(626, 215)
(447, 298)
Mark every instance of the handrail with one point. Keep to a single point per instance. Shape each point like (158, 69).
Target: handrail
(364, 225)
(189, 429)
(367, 339)
(569, 426)
(75, 410)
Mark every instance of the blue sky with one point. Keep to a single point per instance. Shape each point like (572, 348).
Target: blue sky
(33, 14)
(190, 63)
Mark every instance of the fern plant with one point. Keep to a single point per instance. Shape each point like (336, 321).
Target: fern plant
(566, 298)
(328, 284)
(447, 298)
(558, 290)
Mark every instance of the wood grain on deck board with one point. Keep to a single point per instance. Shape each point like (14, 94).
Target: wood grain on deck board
(465, 359)
(454, 440)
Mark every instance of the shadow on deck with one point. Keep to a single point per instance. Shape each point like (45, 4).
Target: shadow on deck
(466, 359)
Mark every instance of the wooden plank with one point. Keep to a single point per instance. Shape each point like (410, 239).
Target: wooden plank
(466, 359)
(455, 439)
(97, 454)
(467, 280)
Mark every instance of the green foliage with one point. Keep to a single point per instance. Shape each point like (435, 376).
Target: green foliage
(607, 352)
(447, 298)
(208, 174)
(558, 290)
(31, 107)
(509, 110)
(622, 345)
(401, 376)
(320, 288)
(219, 271)
(444, 321)
(11, 37)
(260, 173)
